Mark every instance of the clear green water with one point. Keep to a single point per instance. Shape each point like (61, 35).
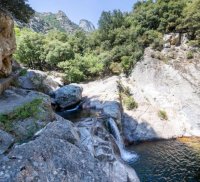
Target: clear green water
(168, 161)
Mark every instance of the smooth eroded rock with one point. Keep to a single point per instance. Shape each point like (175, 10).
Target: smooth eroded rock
(68, 95)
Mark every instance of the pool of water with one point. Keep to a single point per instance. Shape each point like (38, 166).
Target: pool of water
(168, 161)
(79, 114)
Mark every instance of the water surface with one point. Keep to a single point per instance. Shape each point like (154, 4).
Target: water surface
(168, 161)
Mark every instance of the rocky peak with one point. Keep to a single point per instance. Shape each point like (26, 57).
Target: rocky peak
(86, 25)
(61, 14)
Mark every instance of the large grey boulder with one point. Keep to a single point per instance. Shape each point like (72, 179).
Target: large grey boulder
(57, 154)
(102, 145)
(31, 111)
(39, 81)
(68, 95)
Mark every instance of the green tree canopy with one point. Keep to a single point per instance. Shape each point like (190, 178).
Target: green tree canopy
(20, 9)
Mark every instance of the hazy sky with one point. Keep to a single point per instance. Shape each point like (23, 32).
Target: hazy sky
(78, 9)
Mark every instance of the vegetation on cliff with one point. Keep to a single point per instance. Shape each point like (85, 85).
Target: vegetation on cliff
(18, 8)
(116, 46)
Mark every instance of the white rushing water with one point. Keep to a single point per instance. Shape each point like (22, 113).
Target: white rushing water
(125, 155)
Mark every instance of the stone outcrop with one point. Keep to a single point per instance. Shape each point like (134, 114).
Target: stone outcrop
(163, 81)
(175, 39)
(64, 152)
(38, 81)
(86, 25)
(22, 122)
(7, 44)
(67, 96)
(170, 82)
(45, 22)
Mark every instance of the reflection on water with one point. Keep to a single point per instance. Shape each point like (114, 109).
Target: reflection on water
(79, 114)
(168, 161)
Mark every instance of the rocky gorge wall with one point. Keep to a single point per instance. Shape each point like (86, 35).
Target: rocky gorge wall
(165, 85)
(7, 44)
(38, 145)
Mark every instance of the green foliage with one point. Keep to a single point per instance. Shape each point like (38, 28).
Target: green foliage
(160, 15)
(163, 115)
(19, 9)
(130, 103)
(191, 20)
(82, 67)
(23, 72)
(116, 46)
(30, 109)
(30, 49)
(126, 97)
(190, 55)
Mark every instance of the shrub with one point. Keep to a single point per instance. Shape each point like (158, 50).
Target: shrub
(130, 103)
(190, 55)
(163, 115)
(23, 72)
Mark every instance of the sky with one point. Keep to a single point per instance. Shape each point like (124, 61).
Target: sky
(81, 9)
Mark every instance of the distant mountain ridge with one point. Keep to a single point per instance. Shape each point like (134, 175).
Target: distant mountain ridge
(86, 25)
(44, 22)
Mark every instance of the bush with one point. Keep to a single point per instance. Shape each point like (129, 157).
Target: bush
(130, 103)
(163, 115)
(126, 97)
(82, 68)
(190, 55)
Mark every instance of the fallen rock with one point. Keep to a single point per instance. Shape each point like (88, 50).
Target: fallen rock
(68, 95)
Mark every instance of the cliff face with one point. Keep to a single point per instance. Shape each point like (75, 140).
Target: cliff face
(44, 22)
(166, 86)
(7, 44)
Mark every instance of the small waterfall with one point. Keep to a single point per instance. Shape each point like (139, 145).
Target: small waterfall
(125, 155)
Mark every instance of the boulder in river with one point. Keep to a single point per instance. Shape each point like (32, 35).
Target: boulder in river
(68, 95)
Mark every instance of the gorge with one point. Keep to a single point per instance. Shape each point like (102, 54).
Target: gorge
(100, 106)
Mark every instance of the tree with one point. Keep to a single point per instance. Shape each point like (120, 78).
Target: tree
(191, 21)
(18, 8)
(30, 49)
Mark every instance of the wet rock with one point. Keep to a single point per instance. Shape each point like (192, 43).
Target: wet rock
(102, 146)
(129, 126)
(113, 109)
(68, 95)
